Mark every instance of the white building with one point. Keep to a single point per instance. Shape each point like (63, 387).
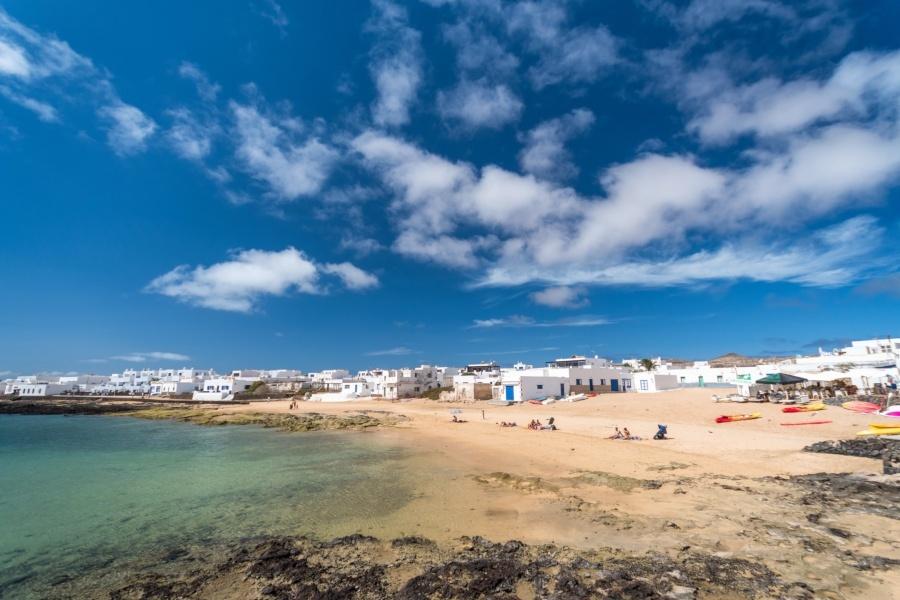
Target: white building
(649, 381)
(36, 389)
(171, 388)
(562, 377)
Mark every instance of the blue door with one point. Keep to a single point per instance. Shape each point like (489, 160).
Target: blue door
(562, 389)
(614, 385)
(510, 394)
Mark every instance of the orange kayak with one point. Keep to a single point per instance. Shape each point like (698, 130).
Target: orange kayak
(733, 418)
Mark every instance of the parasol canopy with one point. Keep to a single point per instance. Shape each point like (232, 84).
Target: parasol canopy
(780, 379)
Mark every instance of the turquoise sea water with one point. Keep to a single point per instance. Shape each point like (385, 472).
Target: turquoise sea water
(82, 491)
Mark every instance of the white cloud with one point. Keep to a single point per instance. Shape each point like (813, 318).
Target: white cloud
(834, 256)
(44, 111)
(653, 212)
(238, 284)
(773, 107)
(479, 104)
(396, 65)
(545, 154)
(206, 89)
(397, 351)
(521, 321)
(274, 13)
(128, 128)
(561, 297)
(565, 55)
(28, 55)
(291, 161)
(189, 138)
(582, 55)
(140, 357)
(361, 246)
(703, 14)
(13, 60)
(352, 276)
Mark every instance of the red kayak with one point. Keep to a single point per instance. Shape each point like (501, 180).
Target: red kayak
(806, 423)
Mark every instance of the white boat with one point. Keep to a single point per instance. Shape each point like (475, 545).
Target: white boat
(574, 398)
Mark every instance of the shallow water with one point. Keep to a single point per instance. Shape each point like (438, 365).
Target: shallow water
(79, 492)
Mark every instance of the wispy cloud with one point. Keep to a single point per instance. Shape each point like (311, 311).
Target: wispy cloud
(396, 65)
(517, 321)
(561, 297)
(396, 351)
(521, 351)
(274, 13)
(140, 357)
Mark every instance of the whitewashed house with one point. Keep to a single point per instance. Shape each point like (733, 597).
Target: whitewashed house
(172, 388)
(37, 389)
(650, 381)
(563, 377)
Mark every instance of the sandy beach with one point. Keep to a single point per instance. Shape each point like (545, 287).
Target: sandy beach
(745, 493)
(732, 489)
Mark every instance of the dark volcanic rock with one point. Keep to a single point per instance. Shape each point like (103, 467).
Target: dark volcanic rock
(66, 407)
(365, 568)
(872, 447)
(875, 495)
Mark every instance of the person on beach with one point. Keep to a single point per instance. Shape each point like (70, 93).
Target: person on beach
(661, 433)
(550, 425)
(617, 435)
(626, 434)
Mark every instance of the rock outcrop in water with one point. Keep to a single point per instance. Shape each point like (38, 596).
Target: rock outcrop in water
(363, 567)
(69, 407)
(284, 422)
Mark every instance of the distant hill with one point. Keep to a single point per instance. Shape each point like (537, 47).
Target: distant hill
(733, 359)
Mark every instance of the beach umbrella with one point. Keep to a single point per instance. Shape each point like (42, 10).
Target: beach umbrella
(780, 379)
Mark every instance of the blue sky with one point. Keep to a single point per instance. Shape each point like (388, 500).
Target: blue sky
(310, 185)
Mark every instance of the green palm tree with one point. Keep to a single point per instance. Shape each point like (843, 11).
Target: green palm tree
(648, 364)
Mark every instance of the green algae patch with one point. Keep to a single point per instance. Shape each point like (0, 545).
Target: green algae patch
(282, 422)
(621, 483)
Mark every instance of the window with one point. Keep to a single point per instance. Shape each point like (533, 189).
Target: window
(540, 386)
(719, 379)
(644, 385)
(577, 382)
(602, 382)
(683, 379)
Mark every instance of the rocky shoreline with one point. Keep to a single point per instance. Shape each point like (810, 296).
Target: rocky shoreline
(201, 415)
(874, 447)
(363, 567)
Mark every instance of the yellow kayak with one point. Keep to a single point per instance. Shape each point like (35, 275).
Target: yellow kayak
(893, 425)
(880, 431)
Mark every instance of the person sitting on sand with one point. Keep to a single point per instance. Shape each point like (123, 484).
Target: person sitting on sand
(536, 424)
(626, 434)
(505, 424)
(550, 425)
(457, 419)
(617, 435)
(661, 433)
